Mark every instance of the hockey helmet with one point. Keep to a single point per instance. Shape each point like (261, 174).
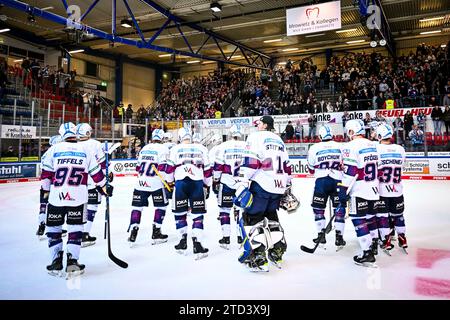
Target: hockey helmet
(355, 125)
(168, 136)
(67, 130)
(54, 140)
(184, 134)
(289, 202)
(197, 137)
(84, 130)
(157, 134)
(325, 133)
(384, 131)
(236, 130)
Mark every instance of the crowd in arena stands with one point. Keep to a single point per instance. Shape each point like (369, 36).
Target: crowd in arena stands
(197, 97)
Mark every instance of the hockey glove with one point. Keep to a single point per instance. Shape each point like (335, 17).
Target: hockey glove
(106, 190)
(206, 190)
(244, 198)
(216, 186)
(343, 196)
(110, 177)
(44, 196)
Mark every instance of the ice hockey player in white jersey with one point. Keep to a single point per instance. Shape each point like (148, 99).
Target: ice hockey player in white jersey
(65, 172)
(189, 168)
(152, 156)
(225, 176)
(391, 204)
(168, 140)
(94, 147)
(265, 175)
(360, 186)
(324, 161)
(214, 144)
(44, 195)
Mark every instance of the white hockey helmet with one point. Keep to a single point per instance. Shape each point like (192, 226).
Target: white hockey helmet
(325, 133)
(157, 135)
(84, 130)
(355, 125)
(54, 140)
(67, 130)
(236, 130)
(384, 131)
(197, 137)
(184, 134)
(168, 136)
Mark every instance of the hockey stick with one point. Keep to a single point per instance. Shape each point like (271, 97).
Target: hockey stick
(113, 147)
(327, 228)
(116, 260)
(161, 177)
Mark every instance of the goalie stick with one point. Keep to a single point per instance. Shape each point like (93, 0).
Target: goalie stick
(116, 260)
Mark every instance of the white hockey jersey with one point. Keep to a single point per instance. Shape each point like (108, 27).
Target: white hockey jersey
(325, 159)
(228, 162)
(67, 166)
(390, 168)
(189, 160)
(360, 158)
(213, 152)
(266, 162)
(152, 155)
(95, 148)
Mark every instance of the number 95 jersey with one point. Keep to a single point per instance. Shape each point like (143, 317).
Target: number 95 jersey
(390, 166)
(324, 159)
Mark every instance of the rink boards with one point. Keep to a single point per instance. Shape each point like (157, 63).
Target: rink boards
(416, 168)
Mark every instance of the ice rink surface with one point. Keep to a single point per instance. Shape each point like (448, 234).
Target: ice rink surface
(158, 272)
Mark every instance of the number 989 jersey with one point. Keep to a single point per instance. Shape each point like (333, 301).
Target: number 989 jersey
(390, 166)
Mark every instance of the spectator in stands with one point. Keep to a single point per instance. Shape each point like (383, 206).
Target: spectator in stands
(312, 121)
(390, 103)
(299, 131)
(398, 129)
(129, 112)
(421, 118)
(446, 118)
(408, 122)
(367, 121)
(416, 137)
(218, 114)
(437, 116)
(345, 118)
(86, 104)
(289, 131)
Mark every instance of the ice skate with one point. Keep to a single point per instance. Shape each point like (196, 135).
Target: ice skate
(340, 242)
(73, 269)
(87, 240)
(56, 267)
(199, 251)
(374, 246)
(366, 260)
(276, 257)
(133, 236)
(225, 243)
(321, 238)
(182, 245)
(386, 245)
(157, 236)
(41, 231)
(257, 262)
(402, 243)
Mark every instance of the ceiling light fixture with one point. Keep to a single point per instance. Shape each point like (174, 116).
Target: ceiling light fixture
(4, 30)
(315, 35)
(348, 30)
(431, 19)
(165, 55)
(216, 7)
(18, 60)
(193, 61)
(290, 49)
(431, 32)
(355, 41)
(47, 8)
(273, 40)
(126, 23)
(77, 51)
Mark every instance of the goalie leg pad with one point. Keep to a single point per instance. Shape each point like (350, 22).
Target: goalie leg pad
(255, 239)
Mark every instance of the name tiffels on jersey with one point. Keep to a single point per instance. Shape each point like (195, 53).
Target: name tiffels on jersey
(71, 161)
